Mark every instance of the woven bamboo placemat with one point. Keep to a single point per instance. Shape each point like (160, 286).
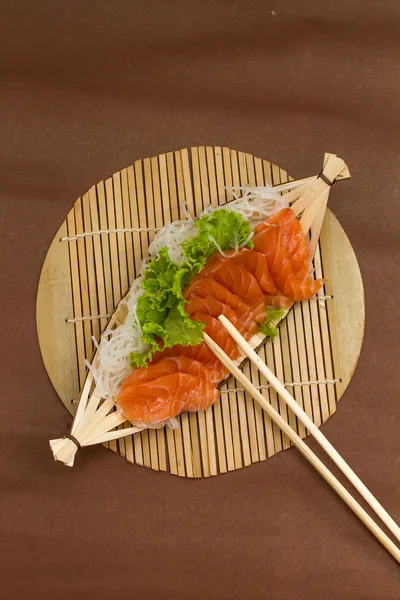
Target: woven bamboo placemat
(97, 253)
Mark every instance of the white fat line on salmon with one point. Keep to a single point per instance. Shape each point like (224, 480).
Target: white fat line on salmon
(293, 384)
(91, 318)
(123, 230)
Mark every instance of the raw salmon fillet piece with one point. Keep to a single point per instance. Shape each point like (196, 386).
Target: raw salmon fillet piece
(256, 263)
(171, 364)
(213, 307)
(234, 277)
(168, 396)
(236, 280)
(218, 333)
(282, 241)
(201, 353)
(208, 286)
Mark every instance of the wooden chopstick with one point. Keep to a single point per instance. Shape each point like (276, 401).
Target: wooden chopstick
(312, 428)
(302, 446)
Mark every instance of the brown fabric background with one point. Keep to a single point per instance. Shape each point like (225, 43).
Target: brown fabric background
(88, 87)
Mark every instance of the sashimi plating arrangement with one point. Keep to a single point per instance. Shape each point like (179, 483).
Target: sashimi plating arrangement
(249, 260)
(248, 275)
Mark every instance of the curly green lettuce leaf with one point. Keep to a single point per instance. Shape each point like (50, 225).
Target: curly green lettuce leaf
(182, 330)
(161, 308)
(223, 229)
(269, 327)
(175, 329)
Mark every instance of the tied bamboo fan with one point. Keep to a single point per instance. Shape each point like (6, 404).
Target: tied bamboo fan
(96, 421)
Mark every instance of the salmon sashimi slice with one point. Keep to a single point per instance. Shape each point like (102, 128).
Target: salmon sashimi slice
(256, 263)
(285, 223)
(282, 241)
(302, 290)
(172, 364)
(235, 277)
(168, 396)
(245, 323)
(218, 333)
(279, 301)
(207, 286)
(200, 352)
(213, 307)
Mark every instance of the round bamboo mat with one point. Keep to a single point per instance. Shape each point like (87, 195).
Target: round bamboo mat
(97, 253)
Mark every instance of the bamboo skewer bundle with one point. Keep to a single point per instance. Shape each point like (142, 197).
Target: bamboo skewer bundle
(96, 420)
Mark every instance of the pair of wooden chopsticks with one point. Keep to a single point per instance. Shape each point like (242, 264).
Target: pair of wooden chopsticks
(302, 446)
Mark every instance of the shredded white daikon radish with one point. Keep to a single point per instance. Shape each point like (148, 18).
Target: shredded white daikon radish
(172, 235)
(144, 265)
(218, 247)
(116, 345)
(255, 205)
(171, 423)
